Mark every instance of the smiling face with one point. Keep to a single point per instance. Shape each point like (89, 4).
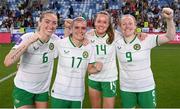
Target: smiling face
(79, 29)
(48, 24)
(128, 25)
(101, 23)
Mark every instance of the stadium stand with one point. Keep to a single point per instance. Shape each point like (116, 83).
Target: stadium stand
(25, 13)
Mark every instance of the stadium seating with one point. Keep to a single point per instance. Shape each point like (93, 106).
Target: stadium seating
(85, 8)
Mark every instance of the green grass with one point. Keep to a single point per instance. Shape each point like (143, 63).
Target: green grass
(165, 65)
(6, 86)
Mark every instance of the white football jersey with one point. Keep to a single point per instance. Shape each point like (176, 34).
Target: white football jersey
(106, 54)
(135, 64)
(36, 65)
(69, 83)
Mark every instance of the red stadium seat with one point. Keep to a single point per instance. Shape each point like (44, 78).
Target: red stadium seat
(5, 37)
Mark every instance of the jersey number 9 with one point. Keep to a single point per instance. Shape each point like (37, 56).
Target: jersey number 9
(128, 56)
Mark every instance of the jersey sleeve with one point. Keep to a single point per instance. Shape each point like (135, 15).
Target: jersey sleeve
(89, 33)
(152, 40)
(117, 35)
(55, 49)
(92, 55)
(56, 41)
(21, 39)
(55, 38)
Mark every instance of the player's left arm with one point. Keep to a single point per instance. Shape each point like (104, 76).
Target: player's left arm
(94, 68)
(167, 13)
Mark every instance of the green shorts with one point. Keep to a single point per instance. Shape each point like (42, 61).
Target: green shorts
(142, 99)
(108, 89)
(22, 97)
(59, 103)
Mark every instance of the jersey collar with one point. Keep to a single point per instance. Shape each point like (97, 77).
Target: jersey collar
(99, 36)
(131, 41)
(70, 39)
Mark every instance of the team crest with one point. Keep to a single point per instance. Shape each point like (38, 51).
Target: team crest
(137, 47)
(51, 46)
(85, 54)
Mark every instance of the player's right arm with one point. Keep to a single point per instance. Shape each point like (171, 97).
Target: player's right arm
(94, 68)
(14, 55)
(167, 13)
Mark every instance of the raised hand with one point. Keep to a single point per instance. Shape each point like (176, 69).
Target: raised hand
(68, 23)
(167, 13)
(33, 38)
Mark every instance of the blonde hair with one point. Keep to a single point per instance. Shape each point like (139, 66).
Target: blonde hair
(78, 19)
(127, 15)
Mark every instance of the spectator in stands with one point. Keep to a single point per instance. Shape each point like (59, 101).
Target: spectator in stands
(134, 7)
(36, 53)
(74, 59)
(8, 23)
(71, 12)
(106, 5)
(137, 85)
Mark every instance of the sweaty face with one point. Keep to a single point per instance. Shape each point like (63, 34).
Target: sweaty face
(128, 26)
(48, 24)
(101, 24)
(79, 30)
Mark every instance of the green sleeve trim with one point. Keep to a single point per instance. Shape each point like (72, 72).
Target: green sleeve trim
(92, 63)
(157, 37)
